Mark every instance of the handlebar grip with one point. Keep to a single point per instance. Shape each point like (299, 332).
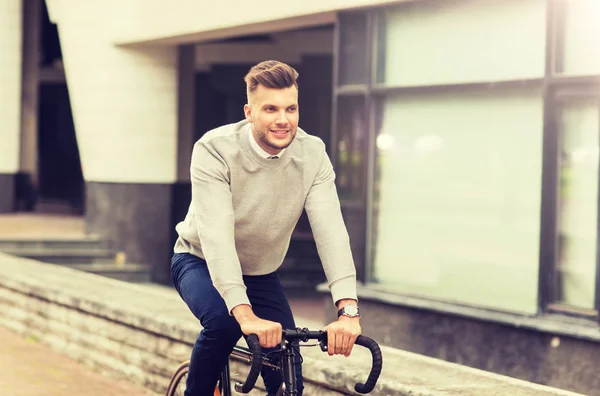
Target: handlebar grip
(376, 367)
(255, 367)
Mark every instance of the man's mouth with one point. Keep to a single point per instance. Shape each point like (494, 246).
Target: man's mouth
(279, 132)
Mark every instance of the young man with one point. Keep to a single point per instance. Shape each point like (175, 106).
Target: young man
(250, 182)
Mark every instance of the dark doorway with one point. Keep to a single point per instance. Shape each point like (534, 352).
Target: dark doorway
(220, 96)
(60, 185)
(60, 176)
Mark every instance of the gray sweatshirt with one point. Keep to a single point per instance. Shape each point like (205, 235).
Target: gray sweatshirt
(245, 207)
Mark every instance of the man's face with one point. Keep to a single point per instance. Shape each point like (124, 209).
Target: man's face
(273, 114)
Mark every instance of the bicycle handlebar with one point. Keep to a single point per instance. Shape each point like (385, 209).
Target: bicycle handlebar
(305, 335)
(376, 365)
(369, 343)
(256, 365)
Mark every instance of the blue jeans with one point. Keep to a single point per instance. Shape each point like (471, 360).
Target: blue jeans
(221, 331)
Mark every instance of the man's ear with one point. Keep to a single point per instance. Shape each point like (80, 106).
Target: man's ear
(248, 112)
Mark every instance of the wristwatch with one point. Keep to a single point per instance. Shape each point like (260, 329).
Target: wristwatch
(350, 311)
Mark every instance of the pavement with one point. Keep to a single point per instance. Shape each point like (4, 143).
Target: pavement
(41, 225)
(29, 368)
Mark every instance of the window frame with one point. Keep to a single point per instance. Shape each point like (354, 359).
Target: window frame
(559, 93)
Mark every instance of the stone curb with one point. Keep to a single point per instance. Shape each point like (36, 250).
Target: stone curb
(159, 312)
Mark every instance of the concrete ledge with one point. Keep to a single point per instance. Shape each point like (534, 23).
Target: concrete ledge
(142, 332)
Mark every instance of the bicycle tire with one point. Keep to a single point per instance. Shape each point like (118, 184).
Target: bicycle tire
(180, 374)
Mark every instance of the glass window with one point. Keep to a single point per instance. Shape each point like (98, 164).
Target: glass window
(581, 38)
(351, 167)
(448, 42)
(353, 49)
(578, 203)
(457, 200)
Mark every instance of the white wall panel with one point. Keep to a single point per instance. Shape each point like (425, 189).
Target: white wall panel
(124, 100)
(10, 84)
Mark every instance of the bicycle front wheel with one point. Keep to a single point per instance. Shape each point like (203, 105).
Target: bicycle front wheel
(179, 379)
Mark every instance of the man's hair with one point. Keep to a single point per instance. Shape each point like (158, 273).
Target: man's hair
(271, 74)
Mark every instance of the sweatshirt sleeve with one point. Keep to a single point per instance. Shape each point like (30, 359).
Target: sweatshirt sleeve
(213, 209)
(330, 233)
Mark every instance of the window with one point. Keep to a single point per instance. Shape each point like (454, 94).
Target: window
(351, 164)
(447, 42)
(458, 197)
(577, 228)
(476, 143)
(579, 37)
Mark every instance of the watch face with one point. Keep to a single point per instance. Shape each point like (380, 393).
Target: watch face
(351, 310)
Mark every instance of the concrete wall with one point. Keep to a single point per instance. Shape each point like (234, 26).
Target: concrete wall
(124, 102)
(189, 20)
(142, 332)
(10, 98)
(10, 84)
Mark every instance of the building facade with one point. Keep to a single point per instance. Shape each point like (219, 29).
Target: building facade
(466, 146)
(465, 137)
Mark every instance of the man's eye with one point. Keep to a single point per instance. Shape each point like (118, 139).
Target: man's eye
(292, 109)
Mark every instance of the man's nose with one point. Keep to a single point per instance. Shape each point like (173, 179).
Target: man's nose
(282, 118)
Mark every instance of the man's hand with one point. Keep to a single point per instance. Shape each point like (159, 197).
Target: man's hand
(342, 334)
(269, 333)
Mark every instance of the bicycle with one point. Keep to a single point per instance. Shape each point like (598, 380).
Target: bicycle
(284, 362)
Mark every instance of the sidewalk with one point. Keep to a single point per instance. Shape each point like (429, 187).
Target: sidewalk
(28, 368)
(41, 225)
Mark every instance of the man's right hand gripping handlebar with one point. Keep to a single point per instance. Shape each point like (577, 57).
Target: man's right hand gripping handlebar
(268, 333)
(261, 333)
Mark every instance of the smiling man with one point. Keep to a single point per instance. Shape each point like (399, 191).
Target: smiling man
(250, 183)
(272, 113)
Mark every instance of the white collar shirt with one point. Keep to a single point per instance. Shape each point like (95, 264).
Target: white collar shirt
(259, 150)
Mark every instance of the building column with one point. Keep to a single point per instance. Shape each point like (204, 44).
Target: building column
(27, 178)
(124, 103)
(11, 42)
